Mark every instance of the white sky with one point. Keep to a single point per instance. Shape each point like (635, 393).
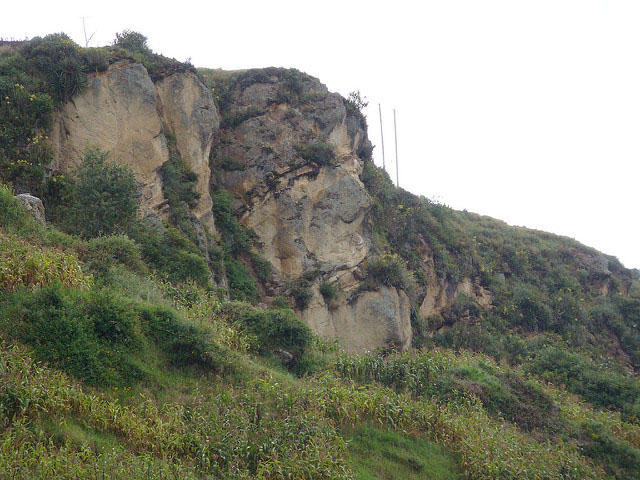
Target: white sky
(527, 111)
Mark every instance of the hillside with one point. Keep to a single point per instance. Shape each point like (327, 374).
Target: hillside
(212, 279)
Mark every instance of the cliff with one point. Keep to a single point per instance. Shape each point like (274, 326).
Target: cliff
(292, 156)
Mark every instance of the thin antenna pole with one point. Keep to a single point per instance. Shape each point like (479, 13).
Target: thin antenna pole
(395, 133)
(382, 136)
(84, 28)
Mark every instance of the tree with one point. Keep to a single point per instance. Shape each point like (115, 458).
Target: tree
(105, 196)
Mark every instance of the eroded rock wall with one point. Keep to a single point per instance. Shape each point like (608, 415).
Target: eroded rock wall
(309, 216)
(124, 112)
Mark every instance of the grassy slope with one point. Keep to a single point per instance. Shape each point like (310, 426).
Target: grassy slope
(387, 455)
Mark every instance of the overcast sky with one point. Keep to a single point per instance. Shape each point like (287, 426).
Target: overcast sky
(527, 111)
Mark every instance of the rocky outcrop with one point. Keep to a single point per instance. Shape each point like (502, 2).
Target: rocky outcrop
(33, 205)
(309, 216)
(123, 112)
(188, 111)
(376, 319)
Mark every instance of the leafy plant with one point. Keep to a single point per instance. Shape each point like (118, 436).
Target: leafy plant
(318, 152)
(105, 200)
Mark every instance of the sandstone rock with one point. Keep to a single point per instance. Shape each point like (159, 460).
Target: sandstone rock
(123, 112)
(189, 112)
(33, 205)
(377, 319)
(313, 224)
(116, 112)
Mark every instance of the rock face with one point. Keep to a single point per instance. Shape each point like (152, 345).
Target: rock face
(33, 205)
(188, 110)
(122, 111)
(309, 216)
(377, 319)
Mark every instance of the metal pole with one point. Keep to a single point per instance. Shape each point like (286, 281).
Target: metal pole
(381, 136)
(84, 28)
(395, 133)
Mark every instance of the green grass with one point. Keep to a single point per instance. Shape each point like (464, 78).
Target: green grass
(386, 455)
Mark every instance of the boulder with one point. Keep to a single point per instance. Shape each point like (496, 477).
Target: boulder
(33, 205)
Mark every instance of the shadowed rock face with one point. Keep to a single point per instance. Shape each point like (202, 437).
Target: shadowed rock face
(122, 111)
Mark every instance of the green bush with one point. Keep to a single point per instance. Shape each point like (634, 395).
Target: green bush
(184, 344)
(238, 117)
(600, 385)
(88, 334)
(26, 265)
(617, 456)
(329, 291)
(179, 188)
(241, 284)
(57, 59)
(104, 252)
(13, 215)
(132, 41)
(113, 319)
(318, 152)
(105, 197)
(24, 151)
(236, 237)
(390, 270)
(231, 164)
(301, 292)
(277, 329)
(262, 268)
(172, 254)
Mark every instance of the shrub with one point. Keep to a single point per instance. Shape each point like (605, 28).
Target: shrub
(238, 117)
(172, 254)
(604, 387)
(179, 188)
(277, 329)
(318, 152)
(13, 215)
(86, 334)
(293, 80)
(178, 181)
(262, 268)
(24, 152)
(355, 104)
(617, 456)
(231, 165)
(105, 197)
(532, 311)
(241, 284)
(132, 41)
(390, 270)
(185, 345)
(104, 252)
(301, 292)
(329, 291)
(236, 237)
(113, 319)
